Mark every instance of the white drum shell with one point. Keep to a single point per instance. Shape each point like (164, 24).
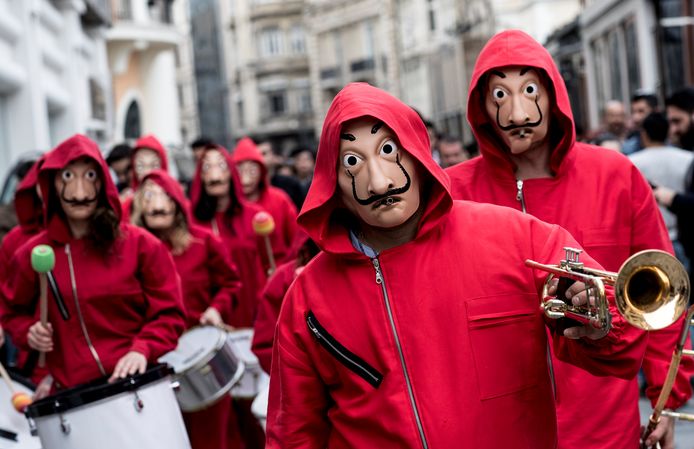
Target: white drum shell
(259, 405)
(14, 421)
(253, 377)
(210, 378)
(115, 422)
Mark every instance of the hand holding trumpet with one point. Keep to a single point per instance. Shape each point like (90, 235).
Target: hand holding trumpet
(577, 293)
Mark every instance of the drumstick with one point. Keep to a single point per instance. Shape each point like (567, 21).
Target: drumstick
(43, 261)
(20, 401)
(263, 225)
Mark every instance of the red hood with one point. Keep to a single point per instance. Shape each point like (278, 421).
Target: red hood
(196, 186)
(246, 150)
(508, 48)
(354, 101)
(73, 148)
(152, 143)
(173, 189)
(26, 202)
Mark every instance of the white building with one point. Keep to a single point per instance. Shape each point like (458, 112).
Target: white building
(539, 18)
(185, 74)
(142, 45)
(54, 77)
(267, 69)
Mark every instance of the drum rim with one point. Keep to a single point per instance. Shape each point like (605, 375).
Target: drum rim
(221, 339)
(240, 370)
(94, 391)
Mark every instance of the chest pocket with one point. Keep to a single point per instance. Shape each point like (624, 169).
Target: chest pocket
(508, 343)
(606, 244)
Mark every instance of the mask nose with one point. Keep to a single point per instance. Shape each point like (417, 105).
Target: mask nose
(379, 181)
(81, 191)
(519, 113)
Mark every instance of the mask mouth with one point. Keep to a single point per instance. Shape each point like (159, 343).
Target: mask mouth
(386, 202)
(522, 132)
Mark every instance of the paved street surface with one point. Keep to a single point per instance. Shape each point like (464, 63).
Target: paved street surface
(684, 430)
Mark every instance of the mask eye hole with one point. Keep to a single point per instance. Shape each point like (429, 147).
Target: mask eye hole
(498, 93)
(389, 149)
(350, 160)
(67, 175)
(531, 89)
(91, 175)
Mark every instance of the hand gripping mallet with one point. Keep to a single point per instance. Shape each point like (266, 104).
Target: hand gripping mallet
(43, 261)
(263, 225)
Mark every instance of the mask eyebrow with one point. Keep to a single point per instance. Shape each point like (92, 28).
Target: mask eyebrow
(346, 136)
(376, 127)
(498, 73)
(525, 70)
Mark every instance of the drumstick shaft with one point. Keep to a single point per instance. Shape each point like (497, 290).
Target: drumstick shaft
(6, 378)
(270, 256)
(43, 304)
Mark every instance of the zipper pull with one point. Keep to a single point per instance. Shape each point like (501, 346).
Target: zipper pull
(519, 194)
(67, 249)
(313, 328)
(377, 266)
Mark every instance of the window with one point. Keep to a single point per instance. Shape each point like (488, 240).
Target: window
(298, 40)
(4, 137)
(132, 129)
(633, 67)
(615, 66)
(305, 101)
(369, 40)
(276, 103)
(98, 100)
(271, 42)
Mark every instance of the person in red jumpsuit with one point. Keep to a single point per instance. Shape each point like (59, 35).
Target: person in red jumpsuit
(418, 324)
(28, 208)
(217, 203)
(209, 282)
(118, 282)
(148, 154)
(255, 182)
(520, 113)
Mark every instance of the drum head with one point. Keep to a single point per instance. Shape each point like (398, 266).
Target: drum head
(195, 347)
(94, 391)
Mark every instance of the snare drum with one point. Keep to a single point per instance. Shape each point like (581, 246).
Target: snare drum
(139, 411)
(253, 377)
(14, 421)
(206, 367)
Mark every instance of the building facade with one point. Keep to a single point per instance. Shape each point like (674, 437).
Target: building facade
(54, 77)
(267, 68)
(142, 47)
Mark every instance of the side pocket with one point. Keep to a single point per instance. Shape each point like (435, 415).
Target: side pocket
(343, 355)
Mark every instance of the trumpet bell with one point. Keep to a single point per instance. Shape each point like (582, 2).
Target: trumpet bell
(652, 290)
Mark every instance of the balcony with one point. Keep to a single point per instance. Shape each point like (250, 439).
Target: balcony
(142, 24)
(262, 9)
(280, 64)
(97, 13)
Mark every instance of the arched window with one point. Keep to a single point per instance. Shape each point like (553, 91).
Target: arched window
(132, 122)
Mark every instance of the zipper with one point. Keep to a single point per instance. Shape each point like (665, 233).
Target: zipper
(519, 194)
(408, 381)
(520, 197)
(92, 349)
(352, 361)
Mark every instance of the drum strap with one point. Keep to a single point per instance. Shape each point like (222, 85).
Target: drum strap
(92, 349)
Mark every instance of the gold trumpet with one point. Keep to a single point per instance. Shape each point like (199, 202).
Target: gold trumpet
(651, 292)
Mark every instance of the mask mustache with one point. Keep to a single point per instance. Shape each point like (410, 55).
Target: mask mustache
(391, 192)
(524, 125)
(159, 213)
(84, 202)
(214, 182)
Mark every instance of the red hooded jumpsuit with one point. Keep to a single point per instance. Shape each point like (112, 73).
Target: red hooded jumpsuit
(130, 297)
(437, 343)
(273, 200)
(208, 279)
(30, 216)
(600, 197)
